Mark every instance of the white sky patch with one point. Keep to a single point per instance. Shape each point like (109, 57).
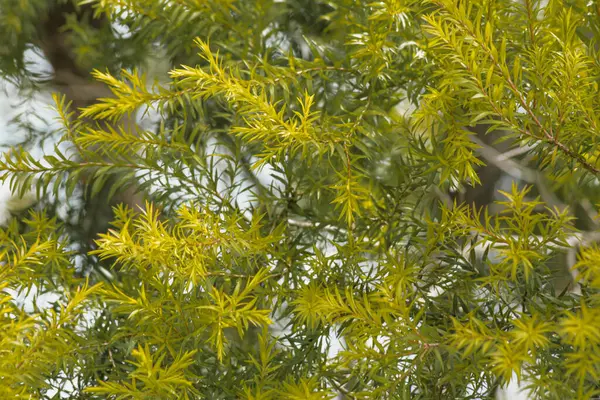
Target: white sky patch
(36, 63)
(513, 391)
(29, 300)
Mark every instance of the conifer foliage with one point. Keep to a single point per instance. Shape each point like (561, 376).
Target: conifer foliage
(311, 186)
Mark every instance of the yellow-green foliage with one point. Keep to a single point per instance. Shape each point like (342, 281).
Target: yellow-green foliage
(358, 236)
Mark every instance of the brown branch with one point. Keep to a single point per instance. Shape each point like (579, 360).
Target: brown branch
(547, 136)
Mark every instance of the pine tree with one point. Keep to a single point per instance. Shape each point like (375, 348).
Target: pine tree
(414, 180)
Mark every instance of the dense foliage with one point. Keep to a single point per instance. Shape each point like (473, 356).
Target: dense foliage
(414, 180)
